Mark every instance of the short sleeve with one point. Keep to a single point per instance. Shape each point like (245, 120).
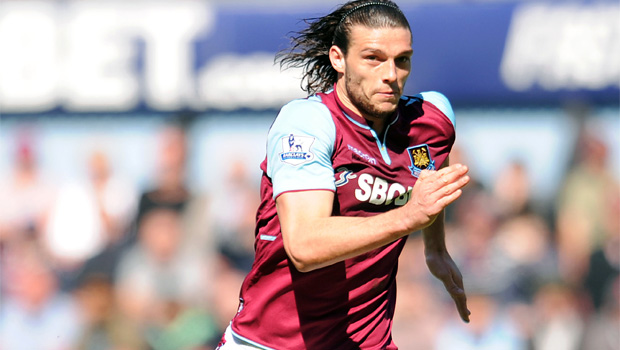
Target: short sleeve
(440, 101)
(299, 148)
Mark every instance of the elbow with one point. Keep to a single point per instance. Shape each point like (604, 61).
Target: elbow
(301, 257)
(302, 266)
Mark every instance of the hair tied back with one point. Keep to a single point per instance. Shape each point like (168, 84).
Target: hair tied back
(364, 5)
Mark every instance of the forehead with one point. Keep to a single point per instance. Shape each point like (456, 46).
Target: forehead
(389, 39)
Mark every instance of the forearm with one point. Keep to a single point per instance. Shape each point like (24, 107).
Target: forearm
(434, 236)
(312, 243)
(442, 266)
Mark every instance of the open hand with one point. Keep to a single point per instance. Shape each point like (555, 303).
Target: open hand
(443, 267)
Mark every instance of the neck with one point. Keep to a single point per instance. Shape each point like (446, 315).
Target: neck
(376, 123)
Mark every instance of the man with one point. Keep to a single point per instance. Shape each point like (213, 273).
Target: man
(350, 172)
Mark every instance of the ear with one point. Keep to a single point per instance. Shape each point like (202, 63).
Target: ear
(336, 57)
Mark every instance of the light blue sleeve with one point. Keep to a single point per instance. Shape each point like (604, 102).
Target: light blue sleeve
(299, 148)
(441, 102)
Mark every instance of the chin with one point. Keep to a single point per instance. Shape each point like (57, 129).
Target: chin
(387, 108)
(384, 113)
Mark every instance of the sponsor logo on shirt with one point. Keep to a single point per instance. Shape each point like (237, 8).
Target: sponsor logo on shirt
(296, 149)
(344, 176)
(363, 156)
(376, 190)
(420, 159)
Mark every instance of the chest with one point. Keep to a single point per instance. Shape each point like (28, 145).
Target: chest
(374, 173)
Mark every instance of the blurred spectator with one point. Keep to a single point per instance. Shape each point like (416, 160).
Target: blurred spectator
(511, 191)
(169, 189)
(524, 242)
(471, 242)
(106, 328)
(183, 328)
(559, 323)
(582, 207)
(86, 217)
(233, 216)
(603, 329)
(604, 262)
(225, 292)
(160, 283)
(35, 314)
(25, 194)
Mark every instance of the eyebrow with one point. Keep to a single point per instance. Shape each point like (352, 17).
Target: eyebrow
(379, 51)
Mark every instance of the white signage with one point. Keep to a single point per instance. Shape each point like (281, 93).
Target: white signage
(83, 54)
(563, 46)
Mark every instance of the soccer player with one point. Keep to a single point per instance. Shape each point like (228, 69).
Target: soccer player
(350, 172)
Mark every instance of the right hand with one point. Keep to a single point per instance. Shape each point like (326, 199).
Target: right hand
(433, 191)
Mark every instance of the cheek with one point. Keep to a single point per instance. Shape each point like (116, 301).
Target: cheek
(352, 84)
(351, 76)
(404, 76)
(357, 92)
(360, 74)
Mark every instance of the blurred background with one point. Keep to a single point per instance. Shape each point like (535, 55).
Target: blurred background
(131, 134)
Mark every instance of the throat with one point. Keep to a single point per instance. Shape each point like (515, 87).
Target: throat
(379, 127)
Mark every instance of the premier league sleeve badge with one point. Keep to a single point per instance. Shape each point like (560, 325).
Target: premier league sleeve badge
(421, 159)
(296, 149)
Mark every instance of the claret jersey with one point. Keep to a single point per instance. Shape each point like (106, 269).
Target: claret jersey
(318, 143)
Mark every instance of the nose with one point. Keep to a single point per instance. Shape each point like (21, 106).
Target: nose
(389, 71)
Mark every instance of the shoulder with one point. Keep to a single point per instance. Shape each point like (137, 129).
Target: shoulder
(308, 114)
(437, 99)
(306, 107)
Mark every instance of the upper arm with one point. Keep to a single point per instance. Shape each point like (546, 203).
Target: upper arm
(300, 145)
(299, 148)
(297, 209)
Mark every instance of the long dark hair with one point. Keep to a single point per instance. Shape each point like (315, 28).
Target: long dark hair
(310, 47)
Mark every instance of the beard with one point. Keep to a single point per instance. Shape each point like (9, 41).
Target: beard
(363, 104)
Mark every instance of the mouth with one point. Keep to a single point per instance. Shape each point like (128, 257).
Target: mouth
(389, 95)
(389, 91)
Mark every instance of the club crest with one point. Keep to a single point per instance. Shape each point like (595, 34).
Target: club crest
(420, 159)
(296, 149)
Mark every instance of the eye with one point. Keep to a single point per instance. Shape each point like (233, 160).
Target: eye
(404, 59)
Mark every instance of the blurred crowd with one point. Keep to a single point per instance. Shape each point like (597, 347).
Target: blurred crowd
(107, 265)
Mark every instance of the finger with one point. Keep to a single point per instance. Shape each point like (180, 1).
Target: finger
(449, 198)
(460, 299)
(448, 193)
(452, 187)
(424, 174)
(461, 306)
(454, 168)
(451, 173)
(445, 176)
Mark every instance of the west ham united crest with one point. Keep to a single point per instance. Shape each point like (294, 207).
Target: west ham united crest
(420, 159)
